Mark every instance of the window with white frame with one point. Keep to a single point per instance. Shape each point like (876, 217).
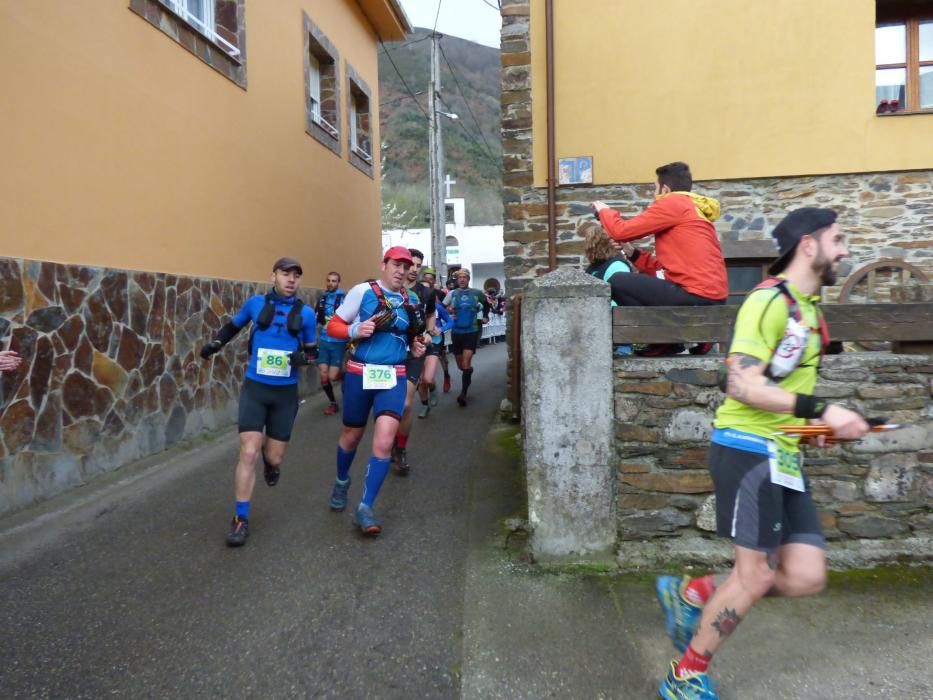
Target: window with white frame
(322, 87)
(360, 141)
(359, 111)
(200, 15)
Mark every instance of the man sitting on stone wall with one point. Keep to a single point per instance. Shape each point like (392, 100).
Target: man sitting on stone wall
(687, 268)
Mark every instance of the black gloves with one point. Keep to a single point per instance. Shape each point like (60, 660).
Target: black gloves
(212, 347)
(303, 357)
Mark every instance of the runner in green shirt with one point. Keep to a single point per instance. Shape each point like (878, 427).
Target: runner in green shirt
(762, 501)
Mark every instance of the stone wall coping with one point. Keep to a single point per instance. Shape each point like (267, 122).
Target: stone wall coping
(566, 282)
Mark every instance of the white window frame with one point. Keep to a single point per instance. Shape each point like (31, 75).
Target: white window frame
(354, 144)
(314, 87)
(354, 133)
(206, 25)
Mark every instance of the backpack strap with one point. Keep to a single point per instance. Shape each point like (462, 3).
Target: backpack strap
(793, 309)
(293, 322)
(266, 314)
(380, 295)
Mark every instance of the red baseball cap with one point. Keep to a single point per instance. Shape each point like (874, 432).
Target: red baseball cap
(398, 252)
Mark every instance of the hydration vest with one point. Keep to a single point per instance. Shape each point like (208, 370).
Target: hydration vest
(788, 355)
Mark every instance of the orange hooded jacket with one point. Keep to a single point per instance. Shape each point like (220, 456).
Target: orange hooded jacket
(686, 246)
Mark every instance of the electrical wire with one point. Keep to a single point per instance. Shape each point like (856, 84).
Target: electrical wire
(488, 149)
(411, 94)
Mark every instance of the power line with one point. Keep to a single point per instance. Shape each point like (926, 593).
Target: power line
(437, 16)
(399, 99)
(469, 109)
(411, 94)
(406, 44)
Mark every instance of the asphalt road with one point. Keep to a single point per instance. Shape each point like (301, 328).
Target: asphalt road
(134, 593)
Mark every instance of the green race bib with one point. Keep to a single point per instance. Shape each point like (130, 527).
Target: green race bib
(273, 363)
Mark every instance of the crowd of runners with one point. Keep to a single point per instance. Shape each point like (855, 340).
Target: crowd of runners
(383, 341)
(385, 338)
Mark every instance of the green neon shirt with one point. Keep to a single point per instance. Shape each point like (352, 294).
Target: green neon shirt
(759, 328)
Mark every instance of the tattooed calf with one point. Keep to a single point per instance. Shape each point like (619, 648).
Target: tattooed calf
(726, 622)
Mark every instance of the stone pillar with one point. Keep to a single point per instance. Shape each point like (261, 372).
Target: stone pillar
(568, 416)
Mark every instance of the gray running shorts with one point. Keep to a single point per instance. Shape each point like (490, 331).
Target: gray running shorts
(755, 513)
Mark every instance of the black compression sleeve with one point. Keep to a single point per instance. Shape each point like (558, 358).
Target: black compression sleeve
(227, 333)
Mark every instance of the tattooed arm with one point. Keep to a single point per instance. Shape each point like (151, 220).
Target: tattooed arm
(747, 383)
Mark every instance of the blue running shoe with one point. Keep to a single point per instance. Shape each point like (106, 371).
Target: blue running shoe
(695, 686)
(365, 519)
(338, 497)
(680, 617)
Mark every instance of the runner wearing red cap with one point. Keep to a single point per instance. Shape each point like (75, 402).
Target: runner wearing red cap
(382, 320)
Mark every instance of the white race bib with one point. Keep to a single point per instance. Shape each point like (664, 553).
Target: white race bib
(379, 376)
(273, 363)
(785, 467)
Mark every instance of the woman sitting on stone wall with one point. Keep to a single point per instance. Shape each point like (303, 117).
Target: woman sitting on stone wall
(606, 261)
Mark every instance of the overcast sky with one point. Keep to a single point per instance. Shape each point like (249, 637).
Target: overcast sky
(476, 20)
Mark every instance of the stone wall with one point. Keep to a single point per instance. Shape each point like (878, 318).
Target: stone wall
(874, 496)
(883, 214)
(110, 370)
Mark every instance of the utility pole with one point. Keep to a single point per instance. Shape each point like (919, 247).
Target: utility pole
(436, 167)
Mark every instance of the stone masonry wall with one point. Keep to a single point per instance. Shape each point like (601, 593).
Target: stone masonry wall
(874, 496)
(110, 370)
(884, 214)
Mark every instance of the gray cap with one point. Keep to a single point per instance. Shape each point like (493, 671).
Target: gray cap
(286, 264)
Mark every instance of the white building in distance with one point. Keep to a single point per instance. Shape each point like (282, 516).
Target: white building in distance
(479, 249)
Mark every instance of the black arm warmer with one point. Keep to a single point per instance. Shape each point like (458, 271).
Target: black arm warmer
(227, 333)
(809, 406)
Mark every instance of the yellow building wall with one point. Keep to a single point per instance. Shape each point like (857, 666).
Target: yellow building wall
(737, 88)
(122, 149)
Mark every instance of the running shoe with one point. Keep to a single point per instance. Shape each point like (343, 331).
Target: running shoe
(432, 397)
(338, 497)
(693, 686)
(680, 616)
(331, 409)
(400, 459)
(239, 531)
(424, 410)
(446, 383)
(270, 474)
(365, 519)
(461, 401)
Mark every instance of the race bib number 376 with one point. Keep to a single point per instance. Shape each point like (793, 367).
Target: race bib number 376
(378, 376)
(273, 363)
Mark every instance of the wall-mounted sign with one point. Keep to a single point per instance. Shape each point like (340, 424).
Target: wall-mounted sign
(575, 171)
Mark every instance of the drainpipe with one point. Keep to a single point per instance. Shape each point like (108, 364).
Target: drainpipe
(551, 157)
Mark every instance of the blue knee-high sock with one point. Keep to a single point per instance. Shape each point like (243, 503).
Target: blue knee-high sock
(242, 509)
(376, 472)
(344, 460)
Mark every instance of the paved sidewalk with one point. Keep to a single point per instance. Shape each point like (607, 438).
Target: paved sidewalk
(529, 634)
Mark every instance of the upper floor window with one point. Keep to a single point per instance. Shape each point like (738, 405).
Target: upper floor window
(322, 89)
(903, 57)
(201, 14)
(360, 121)
(212, 30)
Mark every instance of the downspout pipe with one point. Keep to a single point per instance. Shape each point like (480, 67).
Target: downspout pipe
(551, 149)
